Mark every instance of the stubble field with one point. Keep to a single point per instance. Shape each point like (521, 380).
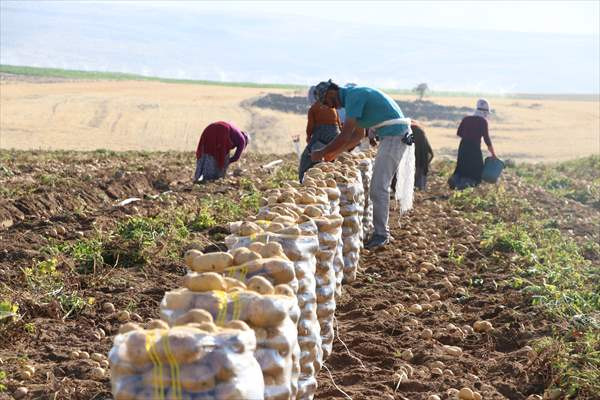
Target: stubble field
(157, 116)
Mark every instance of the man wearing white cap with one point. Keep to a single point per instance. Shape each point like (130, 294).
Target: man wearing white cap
(469, 163)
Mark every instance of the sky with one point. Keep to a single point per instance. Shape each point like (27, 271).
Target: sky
(483, 46)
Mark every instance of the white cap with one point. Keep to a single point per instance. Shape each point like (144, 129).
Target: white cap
(483, 105)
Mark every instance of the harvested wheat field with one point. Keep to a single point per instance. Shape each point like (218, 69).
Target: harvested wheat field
(140, 115)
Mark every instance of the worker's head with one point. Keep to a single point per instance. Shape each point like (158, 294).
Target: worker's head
(482, 108)
(328, 93)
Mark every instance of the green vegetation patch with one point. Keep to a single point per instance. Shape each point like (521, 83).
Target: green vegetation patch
(577, 180)
(550, 267)
(120, 76)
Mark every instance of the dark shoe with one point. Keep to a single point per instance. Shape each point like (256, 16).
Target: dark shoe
(377, 241)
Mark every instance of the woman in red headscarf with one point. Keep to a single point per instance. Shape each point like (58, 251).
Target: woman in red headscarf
(212, 153)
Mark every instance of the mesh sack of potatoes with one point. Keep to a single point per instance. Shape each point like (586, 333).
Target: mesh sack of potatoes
(351, 210)
(301, 196)
(300, 243)
(322, 175)
(365, 166)
(315, 177)
(272, 312)
(330, 234)
(268, 261)
(196, 361)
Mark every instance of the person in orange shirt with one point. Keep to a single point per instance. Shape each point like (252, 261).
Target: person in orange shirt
(322, 127)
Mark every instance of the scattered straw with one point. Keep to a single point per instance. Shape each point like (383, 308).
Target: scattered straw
(344, 344)
(334, 385)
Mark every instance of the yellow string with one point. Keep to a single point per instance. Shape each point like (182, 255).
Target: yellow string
(174, 366)
(157, 369)
(222, 314)
(237, 306)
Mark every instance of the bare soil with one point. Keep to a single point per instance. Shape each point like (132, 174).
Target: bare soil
(66, 197)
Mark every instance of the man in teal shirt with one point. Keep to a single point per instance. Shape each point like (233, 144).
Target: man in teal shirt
(370, 108)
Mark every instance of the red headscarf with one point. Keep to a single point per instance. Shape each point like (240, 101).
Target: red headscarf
(216, 141)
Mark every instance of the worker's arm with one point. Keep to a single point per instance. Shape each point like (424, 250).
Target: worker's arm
(310, 125)
(349, 138)
(239, 141)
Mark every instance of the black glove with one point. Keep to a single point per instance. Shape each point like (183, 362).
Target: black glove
(408, 139)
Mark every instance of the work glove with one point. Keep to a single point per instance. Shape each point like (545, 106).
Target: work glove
(408, 139)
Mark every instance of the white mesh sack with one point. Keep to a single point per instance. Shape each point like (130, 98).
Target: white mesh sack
(196, 361)
(272, 312)
(300, 244)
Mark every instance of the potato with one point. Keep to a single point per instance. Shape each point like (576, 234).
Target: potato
(284, 290)
(182, 343)
(98, 373)
(291, 231)
(135, 346)
(260, 285)
(477, 396)
(275, 227)
(427, 334)
(483, 326)
(26, 375)
(196, 315)
(285, 220)
(272, 249)
(266, 312)
(407, 355)
(204, 282)
(190, 255)
(281, 270)
(234, 283)
(216, 262)
(123, 316)
(466, 394)
(243, 255)
(178, 299)
(249, 229)
(313, 211)
(196, 377)
(237, 324)
(129, 326)
(415, 309)
(150, 378)
(436, 371)
(453, 350)
(256, 247)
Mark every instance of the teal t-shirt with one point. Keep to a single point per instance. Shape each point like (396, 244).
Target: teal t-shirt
(371, 107)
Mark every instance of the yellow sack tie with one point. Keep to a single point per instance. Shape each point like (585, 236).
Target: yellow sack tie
(222, 314)
(174, 366)
(223, 306)
(157, 369)
(237, 306)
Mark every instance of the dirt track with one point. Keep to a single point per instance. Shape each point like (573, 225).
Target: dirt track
(131, 115)
(79, 201)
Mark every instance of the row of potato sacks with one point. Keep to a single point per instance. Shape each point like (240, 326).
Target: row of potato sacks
(265, 308)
